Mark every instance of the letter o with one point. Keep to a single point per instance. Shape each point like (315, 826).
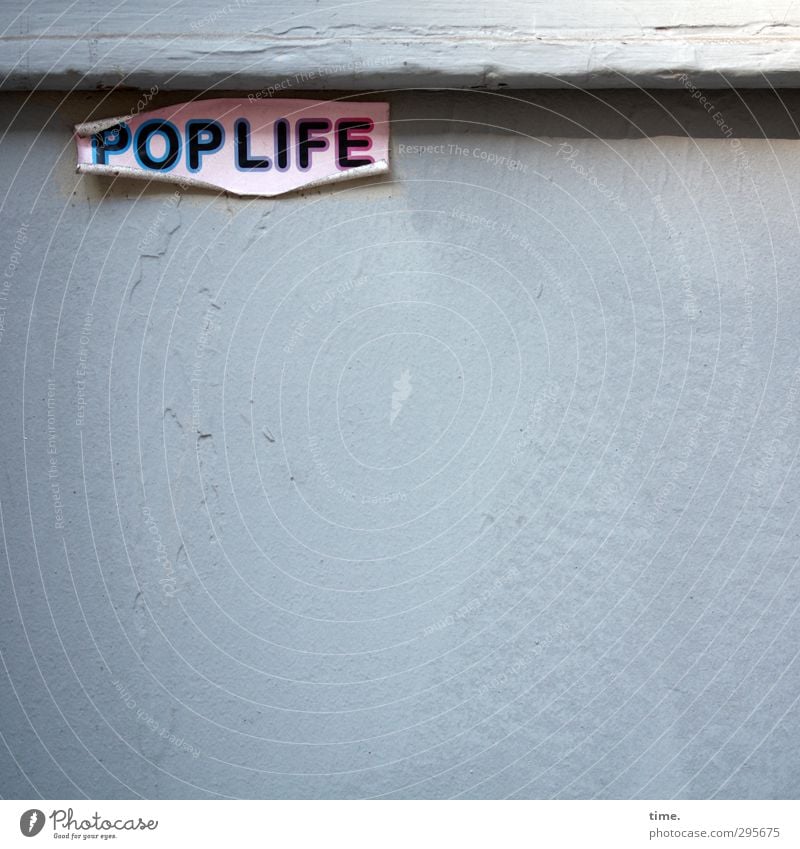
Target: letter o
(172, 151)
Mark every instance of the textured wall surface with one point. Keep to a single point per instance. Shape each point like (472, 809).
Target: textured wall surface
(479, 480)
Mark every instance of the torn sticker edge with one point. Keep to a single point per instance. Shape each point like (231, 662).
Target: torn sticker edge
(92, 127)
(89, 128)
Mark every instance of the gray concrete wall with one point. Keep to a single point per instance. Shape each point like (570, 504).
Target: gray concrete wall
(478, 480)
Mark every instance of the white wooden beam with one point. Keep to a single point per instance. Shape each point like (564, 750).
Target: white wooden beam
(263, 44)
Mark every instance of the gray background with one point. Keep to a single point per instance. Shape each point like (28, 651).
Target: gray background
(567, 568)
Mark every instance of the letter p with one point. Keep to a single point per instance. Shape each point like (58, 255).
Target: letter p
(116, 139)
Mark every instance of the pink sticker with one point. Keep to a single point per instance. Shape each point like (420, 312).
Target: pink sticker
(242, 145)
